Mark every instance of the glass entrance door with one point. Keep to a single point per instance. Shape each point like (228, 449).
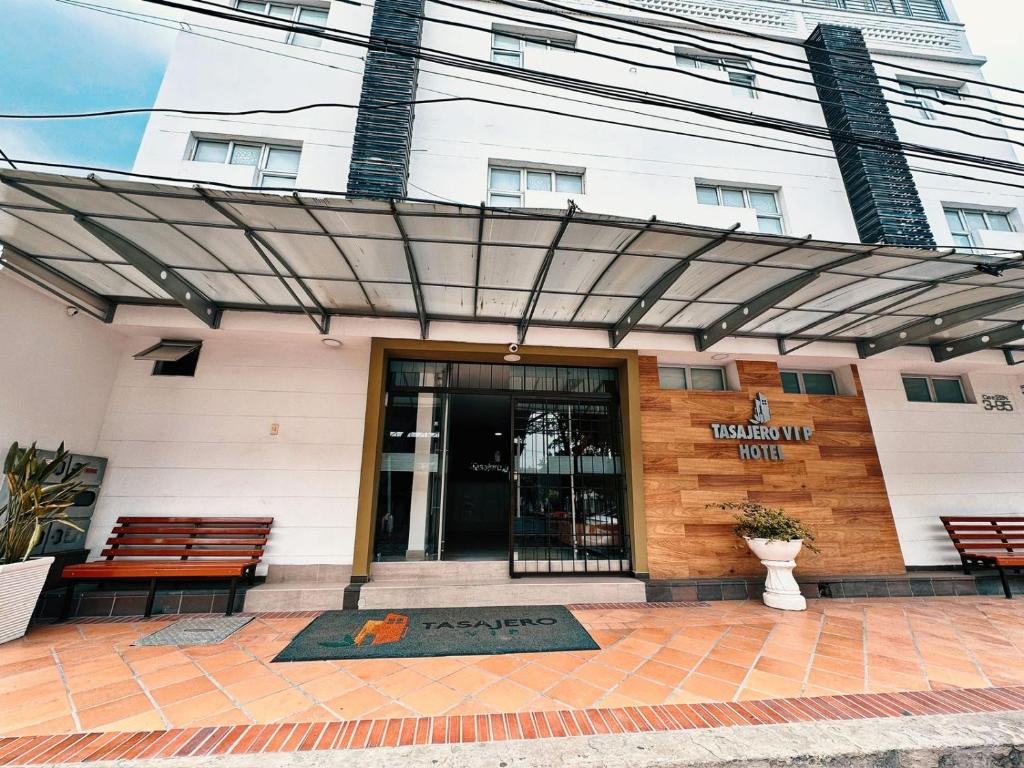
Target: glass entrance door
(568, 495)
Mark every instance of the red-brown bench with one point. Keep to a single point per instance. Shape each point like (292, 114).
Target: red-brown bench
(182, 548)
(989, 542)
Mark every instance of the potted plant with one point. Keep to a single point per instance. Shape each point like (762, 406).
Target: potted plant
(32, 503)
(776, 539)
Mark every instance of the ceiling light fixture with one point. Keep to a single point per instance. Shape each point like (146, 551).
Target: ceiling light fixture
(332, 343)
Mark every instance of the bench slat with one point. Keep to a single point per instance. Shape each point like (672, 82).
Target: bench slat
(174, 541)
(260, 530)
(157, 569)
(190, 553)
(198, 520)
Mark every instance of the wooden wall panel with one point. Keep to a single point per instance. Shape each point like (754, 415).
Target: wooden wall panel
(833, 483)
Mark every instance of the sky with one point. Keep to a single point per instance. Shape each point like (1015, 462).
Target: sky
(59, 56)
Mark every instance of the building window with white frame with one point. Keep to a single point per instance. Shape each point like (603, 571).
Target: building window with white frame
(934, 389)
(313, 16)
(510, 187)
(765, 202)
(965, 223)
(509, 43)
(808, 382)
(741, 76)
(925, 98)
(691, 377)
(274, 165)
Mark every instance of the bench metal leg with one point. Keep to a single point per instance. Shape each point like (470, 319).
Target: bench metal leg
(150, 597)
(69, 601)
(1006, 584)
(231, 596)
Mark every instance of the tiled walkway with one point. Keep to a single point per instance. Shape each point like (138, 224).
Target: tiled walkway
(87, 677)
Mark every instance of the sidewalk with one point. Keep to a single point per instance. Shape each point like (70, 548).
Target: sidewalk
(660, 668)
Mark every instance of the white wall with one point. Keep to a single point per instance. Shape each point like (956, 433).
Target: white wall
(945, 459)
(55, 371)
(203, 445)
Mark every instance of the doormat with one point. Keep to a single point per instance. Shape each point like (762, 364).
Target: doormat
(380, 634)
(204, 631)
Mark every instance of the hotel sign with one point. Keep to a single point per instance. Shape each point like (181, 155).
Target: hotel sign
(759, 429)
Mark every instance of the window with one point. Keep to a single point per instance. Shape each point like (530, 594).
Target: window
(173, 357)
(275, 166)
(934, 389)
(965, 223)
(808, 382)
(686, 377)
(925, 97)
(508, 43)
(313, 17)
(765, 202)
(738, 71)
(509, 187)
(932, 10)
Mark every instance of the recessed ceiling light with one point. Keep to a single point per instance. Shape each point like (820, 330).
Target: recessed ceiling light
(332, 343)
(498, 434)
(721, 356)
(512, 358)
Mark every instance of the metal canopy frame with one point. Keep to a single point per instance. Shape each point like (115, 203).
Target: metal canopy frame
(97, 245)
(978, 342)
(922, 329)
(186, 294)
(639, 309)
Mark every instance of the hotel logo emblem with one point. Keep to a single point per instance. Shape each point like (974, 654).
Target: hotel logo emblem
(762, 413)
(390, 629)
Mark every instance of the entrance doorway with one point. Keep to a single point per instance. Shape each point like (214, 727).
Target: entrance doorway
(476, 514)
(488, 461)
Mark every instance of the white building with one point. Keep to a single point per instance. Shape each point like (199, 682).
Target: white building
(383, 448)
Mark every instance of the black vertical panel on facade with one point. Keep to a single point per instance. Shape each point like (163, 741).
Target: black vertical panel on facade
(383, 137)
(883, 196)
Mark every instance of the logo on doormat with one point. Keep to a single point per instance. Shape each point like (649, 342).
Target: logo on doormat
(390, 629)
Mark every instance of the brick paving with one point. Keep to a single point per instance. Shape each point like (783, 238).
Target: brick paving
(83, 688)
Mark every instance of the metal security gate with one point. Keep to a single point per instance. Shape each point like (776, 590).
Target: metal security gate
(568, 494)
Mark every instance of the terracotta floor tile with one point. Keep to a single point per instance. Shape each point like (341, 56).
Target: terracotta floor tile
(111, 712)
(281, 706)
(781, 668)
(502, 666)
(621, 659)
(257, 687)
(773, 685)
(331, 686)
(731, 673)
(662, 673)
(575, 693)
(712, 688)
(535, 677)
(196, 708)
(432, 699)
(186, 689)
(105, 693)
(643, 690)
(468, 680)
(596, 673)
(506, 696)
(836, 682)
(677, 658)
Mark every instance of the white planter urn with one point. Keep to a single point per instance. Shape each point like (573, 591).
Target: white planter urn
(20, 585)
(779, 557)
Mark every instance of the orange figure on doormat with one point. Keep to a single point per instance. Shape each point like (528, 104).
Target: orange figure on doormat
(390, 629)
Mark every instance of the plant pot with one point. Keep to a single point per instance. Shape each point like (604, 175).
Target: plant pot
(779, 557)
(20, 585)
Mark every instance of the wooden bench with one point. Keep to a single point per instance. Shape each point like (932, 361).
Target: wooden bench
(989, 542)
(185, 548)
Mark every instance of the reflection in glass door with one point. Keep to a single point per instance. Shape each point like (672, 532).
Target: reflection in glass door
(412, 478)
(568, 488)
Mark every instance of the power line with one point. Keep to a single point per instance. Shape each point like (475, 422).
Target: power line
(613, 92)
(747, 53)
(558, 113)
(749, 33)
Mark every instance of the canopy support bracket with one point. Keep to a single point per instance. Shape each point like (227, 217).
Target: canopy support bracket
(414, 275)
(542, 273)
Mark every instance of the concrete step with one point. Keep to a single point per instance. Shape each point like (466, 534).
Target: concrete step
(393, 593)
(444, 571)
(296, 596)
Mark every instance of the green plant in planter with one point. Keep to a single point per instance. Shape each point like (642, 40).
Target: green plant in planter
(756, 521)
(32, 503)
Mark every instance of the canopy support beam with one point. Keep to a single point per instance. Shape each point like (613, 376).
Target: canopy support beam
(479, 257)
(735, 319)
(182, 291)
(977, 343)
(414, 275)
(922, 329)
(39, 274)
(263, 248)
(653, 294)
(542, 273)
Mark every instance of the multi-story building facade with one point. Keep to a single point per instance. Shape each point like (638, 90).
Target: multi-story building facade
(501, 386)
